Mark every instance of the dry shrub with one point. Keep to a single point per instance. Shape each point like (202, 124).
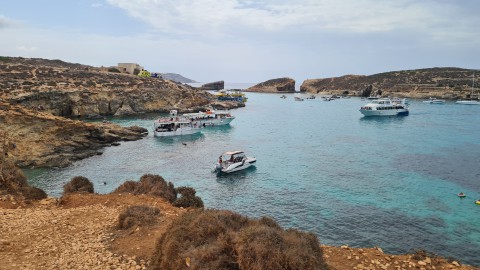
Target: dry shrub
(137, 215)
(188, 198)
(14, 182)
(78, 184)
(12, 178)
(149, 184)
(33, 193)
(214, 239)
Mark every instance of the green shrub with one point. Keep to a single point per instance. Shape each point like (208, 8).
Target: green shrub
(214, 239)
(78, 184)
(137, 215)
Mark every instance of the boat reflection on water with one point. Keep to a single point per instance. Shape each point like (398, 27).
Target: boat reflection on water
(232, 178)
(381, 120)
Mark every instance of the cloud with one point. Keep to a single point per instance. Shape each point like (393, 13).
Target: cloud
(27, 49)
(6, 22)
(218, 17)
(96, 5)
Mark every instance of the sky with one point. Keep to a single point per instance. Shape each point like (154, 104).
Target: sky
(247, 41)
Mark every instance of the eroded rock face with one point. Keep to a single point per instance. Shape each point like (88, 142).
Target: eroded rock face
(446, 83)
(281, 85)
(41, 139)
(72, 90)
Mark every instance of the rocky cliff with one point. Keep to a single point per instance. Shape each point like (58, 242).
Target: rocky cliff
(40, 139)
(447, 83)
(66, 89)
(281, 85)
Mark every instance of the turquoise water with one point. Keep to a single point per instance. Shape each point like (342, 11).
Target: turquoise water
(388, 182)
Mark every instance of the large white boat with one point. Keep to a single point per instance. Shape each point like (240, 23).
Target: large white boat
(384, 107)
(233, 161)
(470, 101)
(174, 127)
(211, 117)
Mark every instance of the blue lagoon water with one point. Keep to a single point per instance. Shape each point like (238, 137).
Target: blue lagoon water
(322, 167)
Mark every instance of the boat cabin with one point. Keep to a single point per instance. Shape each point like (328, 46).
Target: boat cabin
(232, 156)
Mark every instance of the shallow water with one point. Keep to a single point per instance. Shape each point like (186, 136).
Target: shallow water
(388, 182)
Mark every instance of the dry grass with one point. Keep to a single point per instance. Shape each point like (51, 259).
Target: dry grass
(78, 184)
(214, 239)
(137, 215)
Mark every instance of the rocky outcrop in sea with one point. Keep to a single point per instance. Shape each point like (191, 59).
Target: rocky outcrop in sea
(280, 85)
(213, 86)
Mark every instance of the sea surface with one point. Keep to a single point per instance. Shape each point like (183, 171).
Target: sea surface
(390, 182)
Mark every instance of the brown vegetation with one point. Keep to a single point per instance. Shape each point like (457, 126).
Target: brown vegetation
(149, 184)
(78, 184)
(188, 198)
(137, 215)
(213, 239)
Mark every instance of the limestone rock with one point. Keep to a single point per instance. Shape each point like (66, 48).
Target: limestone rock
(219, 85)
(281, 85)
(445, 83)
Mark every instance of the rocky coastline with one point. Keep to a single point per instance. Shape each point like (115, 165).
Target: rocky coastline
(445, 83)
(39, 98)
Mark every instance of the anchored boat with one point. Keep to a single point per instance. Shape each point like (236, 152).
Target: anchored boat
(174, 127)
(384, 107)
(233, 161)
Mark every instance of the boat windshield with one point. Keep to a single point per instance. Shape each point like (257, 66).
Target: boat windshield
(233, 157)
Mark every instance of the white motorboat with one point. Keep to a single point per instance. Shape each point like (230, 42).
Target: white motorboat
(470, 101)
(384, 107)
(298, 98)
(283, 96)
(174, 127)
(434, 101)
(211, 117)
(233, 161)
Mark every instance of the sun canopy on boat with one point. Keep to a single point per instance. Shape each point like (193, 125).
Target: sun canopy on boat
(232, 153)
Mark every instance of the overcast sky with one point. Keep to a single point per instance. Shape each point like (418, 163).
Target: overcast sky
(247, 40)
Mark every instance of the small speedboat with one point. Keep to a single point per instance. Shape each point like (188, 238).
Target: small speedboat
(233, 161)
(461, 195)
(283, 96)
(477, 202)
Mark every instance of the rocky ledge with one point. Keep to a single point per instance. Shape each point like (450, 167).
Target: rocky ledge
(446, 83)
(281, 85)
(40, 139)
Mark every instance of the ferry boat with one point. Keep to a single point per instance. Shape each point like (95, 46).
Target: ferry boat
(211, 117)
(233, 161)
(174, 127)
(384, 107)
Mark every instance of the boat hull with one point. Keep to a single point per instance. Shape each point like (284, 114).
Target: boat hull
(235, 167)
(216, 121)
(178, 132)
(468, 102)
(397, 112)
